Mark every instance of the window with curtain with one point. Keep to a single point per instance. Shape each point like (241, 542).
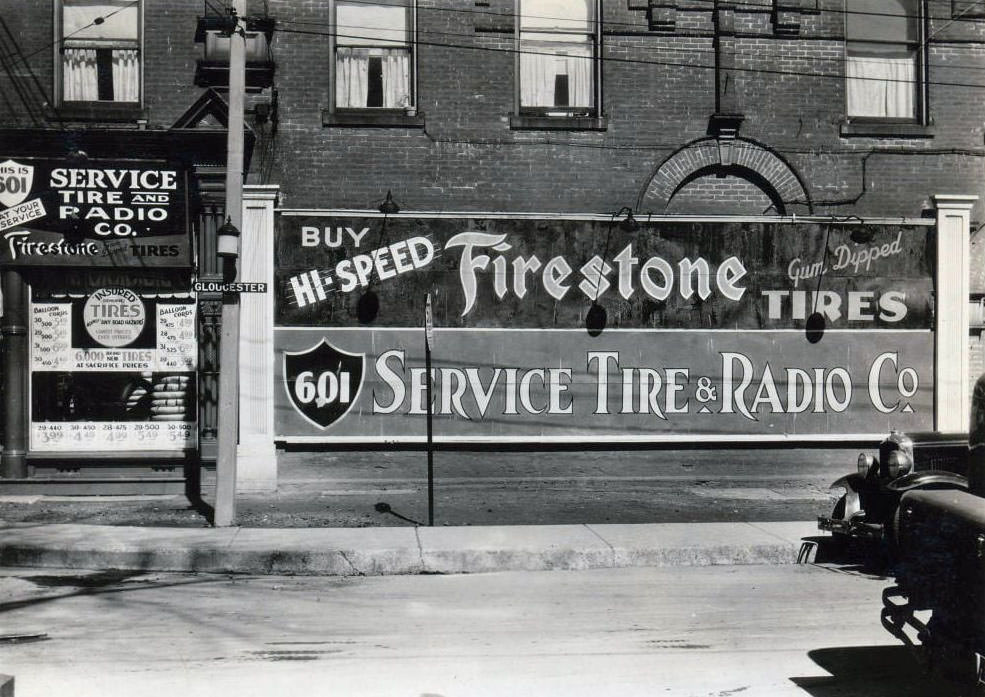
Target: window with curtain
(373, 55)
(557, 56)
(882, 62)
(100, 50)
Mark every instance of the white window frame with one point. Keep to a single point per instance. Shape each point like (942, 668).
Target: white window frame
(58, 60)
(595, 38)
(334, 45)
(917, 47)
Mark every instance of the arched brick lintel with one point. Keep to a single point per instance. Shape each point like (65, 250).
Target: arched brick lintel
(734, 156)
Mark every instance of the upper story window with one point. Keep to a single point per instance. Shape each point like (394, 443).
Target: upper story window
(558, 45)
(882, 64)
(374, 54)
(100, 50)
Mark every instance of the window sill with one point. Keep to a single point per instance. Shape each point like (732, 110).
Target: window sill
(530, 122)
(372, 119)
(885, 129)
(100, 111)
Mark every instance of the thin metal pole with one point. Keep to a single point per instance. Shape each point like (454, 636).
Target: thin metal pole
(427, 373)
(15, 367)
(228, 433)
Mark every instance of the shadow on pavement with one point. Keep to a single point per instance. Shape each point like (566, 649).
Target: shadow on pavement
(193, 492)
(874, 671)
(384, 507)
(98, 583)
(100, 579)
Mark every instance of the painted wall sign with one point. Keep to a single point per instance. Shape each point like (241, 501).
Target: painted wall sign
(563, 384)
(547, 273)
(705, 334)
(96, 213)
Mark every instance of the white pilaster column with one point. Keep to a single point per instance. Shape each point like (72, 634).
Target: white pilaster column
(256, 456)
(952, 393)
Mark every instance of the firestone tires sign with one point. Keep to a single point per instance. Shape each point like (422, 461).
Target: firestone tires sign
(704, 338)
(95, 213)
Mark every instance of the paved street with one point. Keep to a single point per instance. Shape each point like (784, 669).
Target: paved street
(343, 489)
(712, 631)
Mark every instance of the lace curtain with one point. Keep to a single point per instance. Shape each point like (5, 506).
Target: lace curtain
(542, 62)
(126, 76)
(81, 82)
(881, 87)
(352, 76)
(80, 70)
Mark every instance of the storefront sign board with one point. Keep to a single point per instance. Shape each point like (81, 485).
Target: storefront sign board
(93, 213)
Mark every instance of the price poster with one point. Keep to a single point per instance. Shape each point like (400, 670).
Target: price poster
(113, 370)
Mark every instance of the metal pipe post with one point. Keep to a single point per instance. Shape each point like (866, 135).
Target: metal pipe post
(15, 370)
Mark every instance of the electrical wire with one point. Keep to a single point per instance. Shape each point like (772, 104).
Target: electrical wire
(34, 78)
(919, 48)
(710, 7)
(418, 42)
(95, 22)
(660, 49)
(636, 61)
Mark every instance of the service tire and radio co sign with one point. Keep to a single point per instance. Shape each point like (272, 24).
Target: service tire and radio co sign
(93, 213)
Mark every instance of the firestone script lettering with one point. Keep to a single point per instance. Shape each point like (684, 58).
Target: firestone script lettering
(490, 258)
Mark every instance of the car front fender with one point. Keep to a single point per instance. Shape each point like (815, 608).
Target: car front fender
(928, 480)
(850, 482)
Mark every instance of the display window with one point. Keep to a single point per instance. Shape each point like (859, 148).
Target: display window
(112, 369)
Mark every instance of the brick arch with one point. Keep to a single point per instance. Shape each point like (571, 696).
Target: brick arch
(739, 157)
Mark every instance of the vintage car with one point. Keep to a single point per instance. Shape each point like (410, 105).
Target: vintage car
(942, 569)
(868, 509)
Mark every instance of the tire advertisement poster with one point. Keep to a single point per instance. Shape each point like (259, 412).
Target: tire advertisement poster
(113, 369)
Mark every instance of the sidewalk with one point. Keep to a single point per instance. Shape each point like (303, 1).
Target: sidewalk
(401, 550)
(361, 513)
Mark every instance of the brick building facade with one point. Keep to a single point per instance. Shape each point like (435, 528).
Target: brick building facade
(694, 108)
(658, 94)
(665, 70)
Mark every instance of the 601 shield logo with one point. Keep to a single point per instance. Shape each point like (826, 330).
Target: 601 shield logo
(323, 382)
(15, 182)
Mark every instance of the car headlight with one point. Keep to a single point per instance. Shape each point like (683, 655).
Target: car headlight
(898, 463)
(865, 463)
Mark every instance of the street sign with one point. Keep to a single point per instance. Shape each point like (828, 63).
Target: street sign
(217, 287)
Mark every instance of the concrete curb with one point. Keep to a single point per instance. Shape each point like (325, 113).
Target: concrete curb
(404, 550)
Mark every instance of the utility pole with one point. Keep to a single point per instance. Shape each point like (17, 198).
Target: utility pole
(228, 434)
